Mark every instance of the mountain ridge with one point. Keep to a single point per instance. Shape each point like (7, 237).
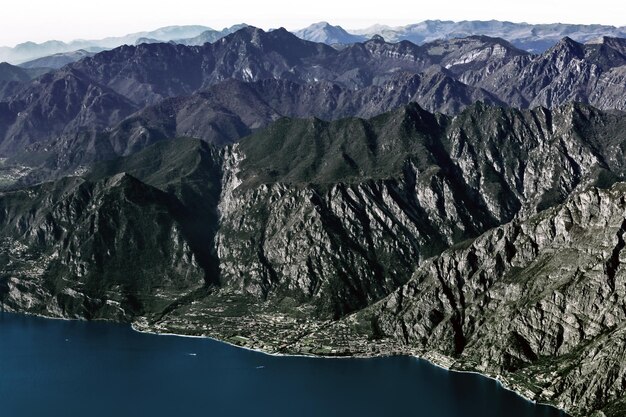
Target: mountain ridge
(533, 38)
(362, 79)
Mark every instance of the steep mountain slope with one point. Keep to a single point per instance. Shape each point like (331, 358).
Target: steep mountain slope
(539, 301)
(481, 240)
(437, 181)
(402, 179)
(130, 221)
(59, 102)
(113, 246)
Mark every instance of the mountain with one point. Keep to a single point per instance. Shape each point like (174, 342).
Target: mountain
(57, 61)
(10, 73)
(593, 76)
(328, 34)
(227, 112)
(529, 37)
(13, 78)
(371, 198)
(58, 102)
(201, 91)
(29, 51)
(538, 302)
(271, 55)
(535, 38)
(569, 71)
(232, 109)
(210, 36)
(490, 240)
(265, 55)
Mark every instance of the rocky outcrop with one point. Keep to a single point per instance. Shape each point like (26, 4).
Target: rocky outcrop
(111, 249)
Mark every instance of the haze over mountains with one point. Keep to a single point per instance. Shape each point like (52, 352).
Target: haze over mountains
(30, 50)
(534, 38)
(461, 199)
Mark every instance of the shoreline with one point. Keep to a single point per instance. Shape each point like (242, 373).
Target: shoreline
(500, 381)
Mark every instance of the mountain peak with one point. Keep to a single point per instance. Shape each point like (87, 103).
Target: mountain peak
(326, 33)
(257, 35)
(322, 24)
(569, 47)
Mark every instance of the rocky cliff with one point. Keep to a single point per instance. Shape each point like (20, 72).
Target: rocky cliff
(489, 241)
(540, 301)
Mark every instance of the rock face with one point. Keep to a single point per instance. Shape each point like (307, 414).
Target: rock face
(412, 185)
(339, 214)
(541, 301)
(491, 238)
(110, 245)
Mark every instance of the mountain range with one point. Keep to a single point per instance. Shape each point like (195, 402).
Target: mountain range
(223, 91)
(534, 38)
(462, 200)
(29, 51)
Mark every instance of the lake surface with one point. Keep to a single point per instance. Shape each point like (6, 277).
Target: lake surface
(71, 368)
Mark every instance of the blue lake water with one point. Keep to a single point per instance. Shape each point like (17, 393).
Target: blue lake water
(71, 368)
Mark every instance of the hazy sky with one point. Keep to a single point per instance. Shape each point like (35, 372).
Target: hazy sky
(39, 20)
